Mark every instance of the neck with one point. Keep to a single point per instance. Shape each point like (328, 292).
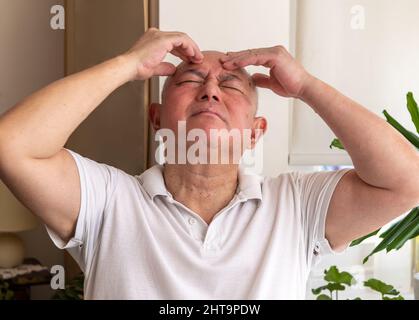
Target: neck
(205, 189)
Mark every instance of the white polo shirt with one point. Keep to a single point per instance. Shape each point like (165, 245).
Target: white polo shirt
(134, 241)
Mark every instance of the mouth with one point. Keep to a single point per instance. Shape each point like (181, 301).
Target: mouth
(208, 113)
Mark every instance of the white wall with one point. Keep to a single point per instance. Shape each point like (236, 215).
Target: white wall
(31, 56)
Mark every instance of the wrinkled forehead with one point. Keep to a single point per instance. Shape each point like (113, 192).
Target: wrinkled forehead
(211, 64)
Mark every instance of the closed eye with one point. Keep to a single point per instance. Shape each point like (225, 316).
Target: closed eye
(190, 81)
(233, 88)
(200, 82)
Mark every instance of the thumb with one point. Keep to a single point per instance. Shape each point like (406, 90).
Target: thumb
(262, 80)
(164, 69)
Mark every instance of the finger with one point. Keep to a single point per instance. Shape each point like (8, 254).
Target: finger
(262, 80)
(230, 55)
(186, 47)
(164, 69)
(257, 59)
(234, 54)
(199, 56)
(179, 54)
(187, 56)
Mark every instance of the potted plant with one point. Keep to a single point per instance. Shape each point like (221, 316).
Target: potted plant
(337, 281)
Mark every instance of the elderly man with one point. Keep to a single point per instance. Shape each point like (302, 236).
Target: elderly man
(203, 230)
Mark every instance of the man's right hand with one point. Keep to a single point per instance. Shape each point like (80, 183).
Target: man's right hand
(147, 55)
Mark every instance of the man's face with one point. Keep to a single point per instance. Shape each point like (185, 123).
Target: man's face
(229, 97)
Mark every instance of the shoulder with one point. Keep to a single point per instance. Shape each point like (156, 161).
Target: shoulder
(281, 182)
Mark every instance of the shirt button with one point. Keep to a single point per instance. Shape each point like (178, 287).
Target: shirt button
(192, 221)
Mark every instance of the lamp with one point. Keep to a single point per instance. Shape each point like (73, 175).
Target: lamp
(14, 217)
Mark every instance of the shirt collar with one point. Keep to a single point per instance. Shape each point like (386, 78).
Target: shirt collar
(249, 186)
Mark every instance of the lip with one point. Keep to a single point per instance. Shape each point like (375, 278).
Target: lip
(208, 112)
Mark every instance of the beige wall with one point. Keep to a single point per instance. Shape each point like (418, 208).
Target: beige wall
(31, 56)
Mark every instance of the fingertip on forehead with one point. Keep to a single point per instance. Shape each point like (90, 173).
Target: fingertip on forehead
(209, 56)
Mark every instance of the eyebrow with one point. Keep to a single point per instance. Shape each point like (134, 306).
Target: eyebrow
(224, 77)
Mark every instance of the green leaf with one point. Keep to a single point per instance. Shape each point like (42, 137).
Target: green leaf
(381, 287)
(405, 235)
(318, 290)
(359, 240)
(413, 213)
(412, 106)
(333, 286)
(412, 137)
(394, 233)
(337, 144)
(390, 229)
(395, 298)
(323, 297)
(333, 275)
(415, 235)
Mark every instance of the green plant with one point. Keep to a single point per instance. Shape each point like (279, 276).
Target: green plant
(408, 227)
(384, 289)
(336, 281)
(5, 292)
(73, 290)
(340, 281)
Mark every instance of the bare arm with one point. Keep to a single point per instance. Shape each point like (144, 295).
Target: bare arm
(381, 156)
(33, 163)
(385, 181)
(39, 126)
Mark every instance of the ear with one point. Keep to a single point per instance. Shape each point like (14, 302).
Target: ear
(154, 115)
(260, 125)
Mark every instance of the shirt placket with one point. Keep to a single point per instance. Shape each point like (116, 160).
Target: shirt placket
(207, 236)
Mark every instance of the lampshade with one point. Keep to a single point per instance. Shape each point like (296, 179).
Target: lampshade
(14, 217)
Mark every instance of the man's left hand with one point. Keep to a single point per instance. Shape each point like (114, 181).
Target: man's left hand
(286, 78)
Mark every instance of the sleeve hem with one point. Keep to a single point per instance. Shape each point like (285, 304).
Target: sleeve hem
(77, 239)
(322, 244)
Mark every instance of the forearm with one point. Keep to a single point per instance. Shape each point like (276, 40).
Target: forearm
(40, 125)
(382, 157)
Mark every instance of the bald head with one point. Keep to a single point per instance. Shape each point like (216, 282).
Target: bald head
(212, 65)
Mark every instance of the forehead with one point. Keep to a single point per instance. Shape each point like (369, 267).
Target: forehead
(210, 65)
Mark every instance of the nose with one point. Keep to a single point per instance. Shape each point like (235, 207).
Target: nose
(209, 92)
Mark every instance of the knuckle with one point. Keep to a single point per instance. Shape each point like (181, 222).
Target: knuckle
(279, 49)
(153, 30)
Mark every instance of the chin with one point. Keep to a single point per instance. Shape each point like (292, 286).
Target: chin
(206, 124)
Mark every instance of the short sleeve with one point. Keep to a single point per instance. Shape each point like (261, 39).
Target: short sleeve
(97, 184)
(315, 192)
